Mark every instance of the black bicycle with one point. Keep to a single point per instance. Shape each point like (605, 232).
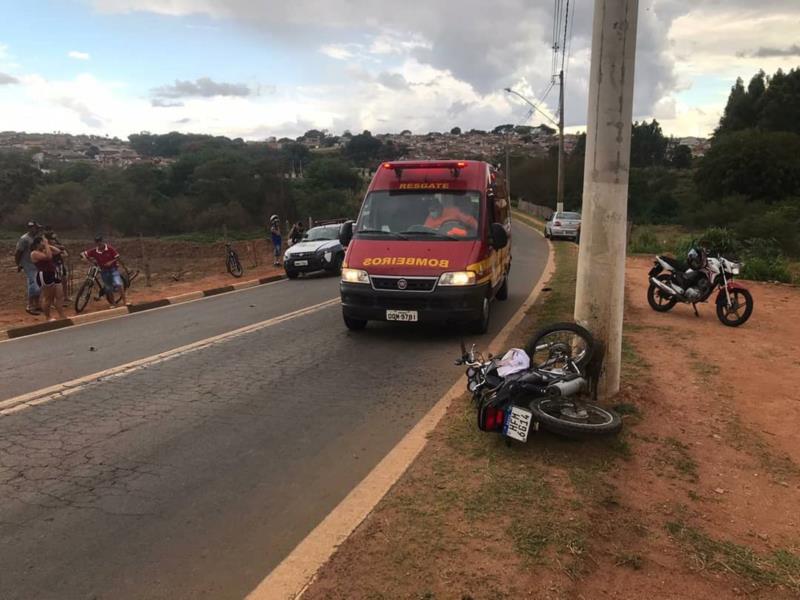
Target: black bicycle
(93, 279)
(232, 262)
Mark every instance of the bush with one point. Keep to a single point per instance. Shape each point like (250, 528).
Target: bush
(759, 268)
(645, 242)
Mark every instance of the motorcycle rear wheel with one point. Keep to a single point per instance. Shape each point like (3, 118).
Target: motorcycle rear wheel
(558, 415)
(656, 300)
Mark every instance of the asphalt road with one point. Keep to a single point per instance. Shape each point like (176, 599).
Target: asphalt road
(194, 477)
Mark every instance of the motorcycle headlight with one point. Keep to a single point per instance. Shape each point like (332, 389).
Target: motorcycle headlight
(457, 278)
(354, 276)
(736, 269)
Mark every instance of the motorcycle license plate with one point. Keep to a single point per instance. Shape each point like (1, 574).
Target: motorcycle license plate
(518, 423)
(301, 263)
(402, 315)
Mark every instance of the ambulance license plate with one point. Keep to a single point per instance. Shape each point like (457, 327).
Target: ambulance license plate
(402, 315)
(301, 263)
(518, 423)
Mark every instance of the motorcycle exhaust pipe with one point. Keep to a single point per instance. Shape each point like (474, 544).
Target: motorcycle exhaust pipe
(567, 388)
(664, 287)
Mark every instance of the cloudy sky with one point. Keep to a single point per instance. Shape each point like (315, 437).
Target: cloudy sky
(251, 69)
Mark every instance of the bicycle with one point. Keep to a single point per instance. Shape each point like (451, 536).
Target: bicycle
(93, 279)
(232, 262)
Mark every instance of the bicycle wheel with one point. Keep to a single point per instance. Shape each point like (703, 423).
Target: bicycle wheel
(560, 344)
(234, 266)
(83, 296)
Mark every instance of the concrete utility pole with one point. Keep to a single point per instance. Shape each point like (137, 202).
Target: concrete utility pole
(508, 172)
(560, 193)
(600, 286)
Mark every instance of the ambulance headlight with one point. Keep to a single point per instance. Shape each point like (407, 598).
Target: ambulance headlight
(455, 278)
(354, 276)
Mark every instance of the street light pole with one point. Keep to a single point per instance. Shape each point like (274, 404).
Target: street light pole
(600, 288)
(560, 125)
(561, 155)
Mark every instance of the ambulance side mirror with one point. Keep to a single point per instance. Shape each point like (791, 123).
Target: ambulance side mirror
(346, 233)
(498, 238)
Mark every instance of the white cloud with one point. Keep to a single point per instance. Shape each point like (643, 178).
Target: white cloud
(78, 55)
(337, 51)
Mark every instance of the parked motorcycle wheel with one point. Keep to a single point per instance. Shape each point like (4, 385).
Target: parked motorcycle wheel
(555, 345)
(656, 300)
(739, 312)
(562, 417)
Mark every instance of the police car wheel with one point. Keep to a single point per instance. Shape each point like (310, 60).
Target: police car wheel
(355, 324)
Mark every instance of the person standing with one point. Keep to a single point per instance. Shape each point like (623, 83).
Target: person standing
(58, 259)
(297, 233)
(22, 257)
(47, 277)
(107, 258)
(275, 234)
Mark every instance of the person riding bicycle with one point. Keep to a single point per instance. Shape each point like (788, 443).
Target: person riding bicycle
(275, 235)
(107, 258)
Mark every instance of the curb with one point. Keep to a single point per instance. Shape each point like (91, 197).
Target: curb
(17, 332)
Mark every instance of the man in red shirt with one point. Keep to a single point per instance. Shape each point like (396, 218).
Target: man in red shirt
(106, 257)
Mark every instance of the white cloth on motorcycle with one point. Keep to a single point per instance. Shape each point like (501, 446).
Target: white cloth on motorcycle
(513, 361)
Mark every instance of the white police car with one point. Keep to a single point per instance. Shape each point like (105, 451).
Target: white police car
(319, 250)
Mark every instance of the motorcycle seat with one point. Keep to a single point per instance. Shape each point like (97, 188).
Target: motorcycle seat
(676, 264)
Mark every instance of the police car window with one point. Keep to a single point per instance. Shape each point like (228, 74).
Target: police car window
(316, 234)
(570, 215)
(451, 214)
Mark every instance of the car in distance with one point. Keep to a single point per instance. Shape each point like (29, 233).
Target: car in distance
(563, 225)
(319, 250)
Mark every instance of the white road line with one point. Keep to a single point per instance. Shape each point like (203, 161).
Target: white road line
(195, 296)
(62, 390)
(297, 571)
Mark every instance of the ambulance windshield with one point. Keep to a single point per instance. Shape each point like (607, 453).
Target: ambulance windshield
(440, 214)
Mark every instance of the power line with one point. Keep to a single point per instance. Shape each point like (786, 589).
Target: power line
(564, 45)
(569, 40)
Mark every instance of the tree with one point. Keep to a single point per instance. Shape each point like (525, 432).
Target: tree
(779, 105)
(364, 150)
(327, 173)
(455, 131)
(62, 205)
(754, 164)
(681, 157)
(18, 179)
(508, 127)
(648, 144)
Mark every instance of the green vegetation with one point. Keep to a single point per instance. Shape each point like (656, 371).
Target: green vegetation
(198, 184)
(779, 567)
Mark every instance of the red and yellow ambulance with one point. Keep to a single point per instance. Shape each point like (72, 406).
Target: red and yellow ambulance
(431, 244)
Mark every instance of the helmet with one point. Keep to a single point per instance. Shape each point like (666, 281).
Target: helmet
(696, 259)
(273, 218)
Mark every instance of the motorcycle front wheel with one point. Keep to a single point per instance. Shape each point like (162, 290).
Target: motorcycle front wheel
(556, 345)
(739, 311)
(564, 417)
(657, 300)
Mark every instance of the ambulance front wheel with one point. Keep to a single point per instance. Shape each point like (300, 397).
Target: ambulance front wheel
(481, 326)
(354, 324)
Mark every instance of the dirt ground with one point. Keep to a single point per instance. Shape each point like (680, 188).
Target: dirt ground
(697, 498)
(176, 267)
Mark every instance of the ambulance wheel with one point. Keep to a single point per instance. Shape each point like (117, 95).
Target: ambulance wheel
(481, 326)
(502, 292)
(355, 324)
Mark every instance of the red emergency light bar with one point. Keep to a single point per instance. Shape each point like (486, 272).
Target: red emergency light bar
(450, 164)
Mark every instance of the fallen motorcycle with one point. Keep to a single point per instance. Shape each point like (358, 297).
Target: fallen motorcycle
(543, 385)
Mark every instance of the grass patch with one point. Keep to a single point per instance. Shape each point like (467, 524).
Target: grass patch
(631, 561)
(779, 567)
(675, 455)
